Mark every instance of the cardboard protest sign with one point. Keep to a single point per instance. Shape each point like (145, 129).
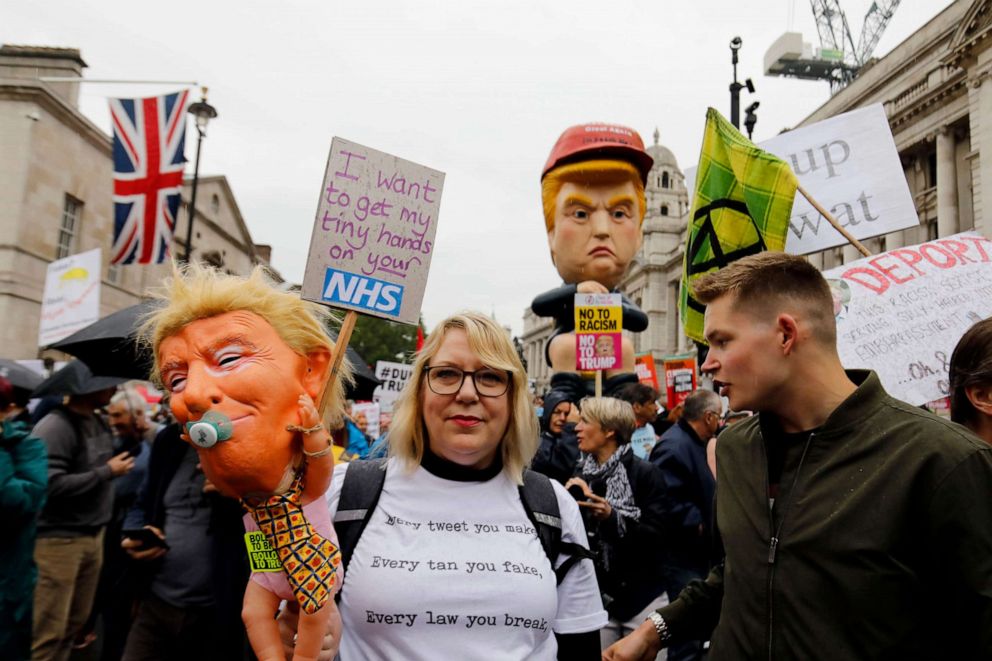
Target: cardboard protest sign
(373, 236)
(646, 371)
(642, 440)
(597, 332)
(71, 299)
(394, 377)
(680, 378)
(902, 312)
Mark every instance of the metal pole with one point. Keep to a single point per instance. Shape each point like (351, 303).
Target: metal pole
(735, 89)
(192, 201)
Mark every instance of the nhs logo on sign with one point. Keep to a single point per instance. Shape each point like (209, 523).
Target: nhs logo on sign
(362, 292)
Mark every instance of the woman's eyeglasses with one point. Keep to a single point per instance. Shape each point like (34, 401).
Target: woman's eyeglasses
(447, 380)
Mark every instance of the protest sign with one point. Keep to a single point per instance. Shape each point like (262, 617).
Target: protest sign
(394, 377)
(850, 165)
(373, 236)
(371, 411)
(680, 378)
(71, 299)
(646, 371)
(597, 332)
(642, 440)
(902, 312)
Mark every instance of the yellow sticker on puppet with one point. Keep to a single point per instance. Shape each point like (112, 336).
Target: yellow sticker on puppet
(261, 555)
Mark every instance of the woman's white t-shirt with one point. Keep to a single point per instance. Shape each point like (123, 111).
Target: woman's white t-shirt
(455, 570)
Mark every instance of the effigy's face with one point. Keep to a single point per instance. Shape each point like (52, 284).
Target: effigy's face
(235, 366)
(597, 232)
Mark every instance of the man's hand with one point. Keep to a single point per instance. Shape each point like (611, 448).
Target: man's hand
(137, 550)
(121, 464)
(574, 415)
(289, 620)
(641, 645)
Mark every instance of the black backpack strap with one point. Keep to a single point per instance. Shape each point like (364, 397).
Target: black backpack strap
(541, 504)
(359, 496)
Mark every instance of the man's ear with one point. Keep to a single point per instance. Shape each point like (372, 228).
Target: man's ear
(788, 331)
(980, 397)
(551, 244)
(318, 365)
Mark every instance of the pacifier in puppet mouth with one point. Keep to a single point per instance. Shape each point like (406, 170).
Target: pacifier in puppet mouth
(209, 430)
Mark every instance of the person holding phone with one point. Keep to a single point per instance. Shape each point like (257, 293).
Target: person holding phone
(624, 505)
(187, 541)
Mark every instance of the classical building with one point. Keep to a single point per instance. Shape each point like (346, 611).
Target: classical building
(653, 279)
(937, 93)
(55, 198)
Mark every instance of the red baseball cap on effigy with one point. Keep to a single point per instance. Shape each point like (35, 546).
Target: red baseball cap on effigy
(598, 140)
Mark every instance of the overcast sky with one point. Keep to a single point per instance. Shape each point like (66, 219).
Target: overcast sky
(478, 90)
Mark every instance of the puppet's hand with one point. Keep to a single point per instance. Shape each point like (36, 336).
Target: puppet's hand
(591, 287)
(318, 439)
(289, 620)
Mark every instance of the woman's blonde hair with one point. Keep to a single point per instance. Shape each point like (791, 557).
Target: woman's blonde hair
(197, 292)
(613, 415)
(590, 173)
(407, 432)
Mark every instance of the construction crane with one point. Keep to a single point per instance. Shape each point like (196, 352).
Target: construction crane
(839, 59)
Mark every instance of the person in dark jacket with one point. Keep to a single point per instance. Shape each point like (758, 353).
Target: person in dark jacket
(558, 453)
(190, 607)
(624, 507)
(855, 526)
(680, 455)
(23, 487)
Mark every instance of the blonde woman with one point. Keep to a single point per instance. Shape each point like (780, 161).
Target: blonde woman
(450, 565)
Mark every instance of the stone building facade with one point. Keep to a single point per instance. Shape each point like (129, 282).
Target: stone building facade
(56, 178)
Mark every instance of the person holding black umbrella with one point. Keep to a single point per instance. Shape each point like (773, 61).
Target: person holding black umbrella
(81, 465)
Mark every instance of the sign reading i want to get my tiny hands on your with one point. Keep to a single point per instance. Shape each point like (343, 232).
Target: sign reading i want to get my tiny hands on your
(597, 332)
(374, 233)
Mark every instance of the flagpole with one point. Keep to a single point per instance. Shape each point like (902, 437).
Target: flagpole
(833, 221)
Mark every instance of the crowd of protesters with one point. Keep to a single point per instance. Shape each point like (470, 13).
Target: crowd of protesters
(117, 546)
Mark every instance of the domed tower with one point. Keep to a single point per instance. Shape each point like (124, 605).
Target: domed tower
(652, 281)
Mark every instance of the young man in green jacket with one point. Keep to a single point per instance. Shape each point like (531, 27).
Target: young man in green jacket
(855, 526)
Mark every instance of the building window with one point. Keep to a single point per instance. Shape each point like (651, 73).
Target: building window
(664, 180)
(214, 203)
(114, 274)
(664, 209)
(72, 211)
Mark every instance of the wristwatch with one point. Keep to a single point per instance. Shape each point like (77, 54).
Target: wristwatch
(660, 626)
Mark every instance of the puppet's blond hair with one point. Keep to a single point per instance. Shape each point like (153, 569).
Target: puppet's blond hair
(600, 172)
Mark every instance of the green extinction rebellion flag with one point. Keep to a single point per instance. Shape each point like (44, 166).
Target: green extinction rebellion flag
(742, 204)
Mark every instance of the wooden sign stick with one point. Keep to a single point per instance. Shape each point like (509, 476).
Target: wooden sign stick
(340, 347)
(833, 221)
(599, 383)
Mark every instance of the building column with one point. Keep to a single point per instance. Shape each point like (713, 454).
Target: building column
(947, 184)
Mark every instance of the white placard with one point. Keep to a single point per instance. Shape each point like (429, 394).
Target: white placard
(373, 236)
(902, 312)
(371, 411)
(849, 164)
(394, 377)
(72, 296)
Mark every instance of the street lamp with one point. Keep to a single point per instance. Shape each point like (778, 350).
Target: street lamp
(736, 87)
(203, 112)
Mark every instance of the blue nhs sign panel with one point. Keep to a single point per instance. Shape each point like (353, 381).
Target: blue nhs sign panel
(361, 291)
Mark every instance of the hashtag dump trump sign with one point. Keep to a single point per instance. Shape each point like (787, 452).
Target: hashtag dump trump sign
(374, 233)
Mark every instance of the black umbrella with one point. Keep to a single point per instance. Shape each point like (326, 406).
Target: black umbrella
(109, 346)
(19, 376)
(76, 379)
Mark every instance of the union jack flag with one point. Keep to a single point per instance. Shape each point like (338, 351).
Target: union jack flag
(149, 136)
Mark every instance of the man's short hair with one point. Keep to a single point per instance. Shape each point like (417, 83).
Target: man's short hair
(971, 365)
(768, 283)
(637, 393)
(699, 402)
